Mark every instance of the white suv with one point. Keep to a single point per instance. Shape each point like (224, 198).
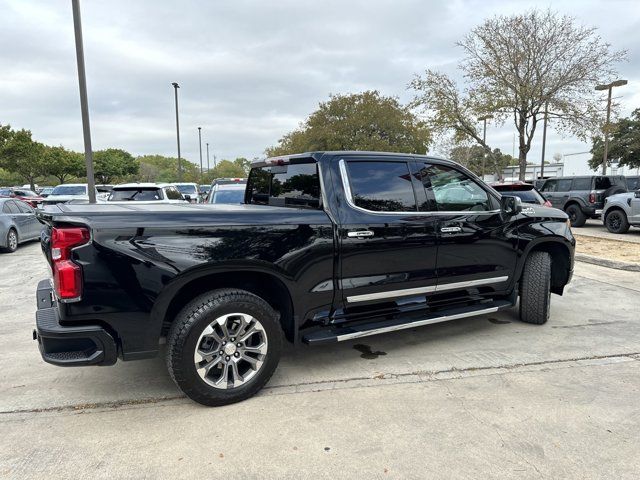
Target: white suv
(145, 193)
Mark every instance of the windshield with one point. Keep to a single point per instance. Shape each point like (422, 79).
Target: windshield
(187, 189)
(70, 190)
(136, 194)
(228, 196)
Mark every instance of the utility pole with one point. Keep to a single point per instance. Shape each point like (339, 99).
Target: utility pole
(544, 138)
(84, 103)
(175, 88)
(200, 143)
(608, 86)
(207, 157)
(484, 140)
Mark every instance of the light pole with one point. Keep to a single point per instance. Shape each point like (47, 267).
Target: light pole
(608, 86)
(484, 140)
(207, 157)
(200, 143)
(175, 89)
(84, 103)
(544, 137)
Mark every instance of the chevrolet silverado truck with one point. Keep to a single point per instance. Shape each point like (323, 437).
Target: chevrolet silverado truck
(327, 247)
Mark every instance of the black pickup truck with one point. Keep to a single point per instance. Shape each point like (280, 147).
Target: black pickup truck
(329, 246)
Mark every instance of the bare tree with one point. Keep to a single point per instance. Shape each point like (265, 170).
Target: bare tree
(513, 66)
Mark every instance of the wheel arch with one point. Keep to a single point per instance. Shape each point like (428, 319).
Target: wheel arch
(266, 284)
(561, 261)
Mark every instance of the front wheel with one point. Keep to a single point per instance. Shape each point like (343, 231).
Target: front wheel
(224, 346)
(616, 221)
(535, 289)
(12, 241)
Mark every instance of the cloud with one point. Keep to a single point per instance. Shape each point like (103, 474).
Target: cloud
(249, 71)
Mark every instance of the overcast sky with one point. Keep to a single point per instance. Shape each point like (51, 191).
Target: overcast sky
(249, 71)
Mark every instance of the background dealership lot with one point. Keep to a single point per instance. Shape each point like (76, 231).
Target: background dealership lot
(486, 394)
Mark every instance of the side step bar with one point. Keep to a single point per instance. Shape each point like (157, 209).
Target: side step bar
(342, 333)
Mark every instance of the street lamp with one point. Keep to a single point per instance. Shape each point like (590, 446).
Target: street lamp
(207, 157)
(200, 142)
(544, 137)
(84, 103)
(175, 88)
(608, 86)
(484, 138)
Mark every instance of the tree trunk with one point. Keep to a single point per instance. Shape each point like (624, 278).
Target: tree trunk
(522, 161)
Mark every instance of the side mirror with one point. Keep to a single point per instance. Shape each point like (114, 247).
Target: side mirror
(637, 194)
(510, 205)
(187, 197)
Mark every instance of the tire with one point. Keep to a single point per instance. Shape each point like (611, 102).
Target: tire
(535, 289)
(576, 216)
(12, 241)
(616, 221)
(200, 324)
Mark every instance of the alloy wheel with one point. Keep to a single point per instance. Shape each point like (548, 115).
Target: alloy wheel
(231, 350)
(13, 240)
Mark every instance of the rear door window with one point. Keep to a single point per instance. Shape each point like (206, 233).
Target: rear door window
(381, 186)
(292, 185)
(564, 185)
(581, 184)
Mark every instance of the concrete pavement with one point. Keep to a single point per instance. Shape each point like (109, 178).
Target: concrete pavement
(477, 398)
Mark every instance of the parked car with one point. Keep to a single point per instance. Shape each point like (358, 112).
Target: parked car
(622, 211)
(46, 191)
(28, 196)
(329, 247)
(227, 190)
(145, 192)
(189, 190)
(204, 192)
(582, 197)
(18, 224)
(525, 191)
(71, 192)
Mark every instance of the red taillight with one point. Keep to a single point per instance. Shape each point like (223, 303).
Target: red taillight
(592, 197)
(67, 276)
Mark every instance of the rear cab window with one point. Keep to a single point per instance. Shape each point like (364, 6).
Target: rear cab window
(136, 194)
(288, 185)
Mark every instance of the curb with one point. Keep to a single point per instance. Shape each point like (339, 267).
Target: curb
(603, 262)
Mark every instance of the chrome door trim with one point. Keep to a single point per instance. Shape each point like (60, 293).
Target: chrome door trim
(418, 323)
(349, 199)
(430, 289)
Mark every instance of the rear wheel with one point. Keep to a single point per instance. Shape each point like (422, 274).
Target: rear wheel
(12, 241)
(616, 221)
(535, 289)
(576, 216)
(224, 346)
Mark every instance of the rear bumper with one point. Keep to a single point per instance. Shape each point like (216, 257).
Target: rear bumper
(69, 346)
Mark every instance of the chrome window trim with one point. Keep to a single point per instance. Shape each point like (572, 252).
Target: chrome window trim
(432, 288)
(418, 323)
(349, 199)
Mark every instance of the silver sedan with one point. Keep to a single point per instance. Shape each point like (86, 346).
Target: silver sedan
(18, 223)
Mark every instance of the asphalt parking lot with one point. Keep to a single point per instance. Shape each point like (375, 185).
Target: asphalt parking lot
(475, 398)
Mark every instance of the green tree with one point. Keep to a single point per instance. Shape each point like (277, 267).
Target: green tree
(360, 121)
(113, 163)
(23, 156)
(64, 164)
(158, 168)
(514, 66)
(624, 143)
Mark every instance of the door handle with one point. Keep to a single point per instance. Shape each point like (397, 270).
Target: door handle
(360, 234)
(451, 229)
